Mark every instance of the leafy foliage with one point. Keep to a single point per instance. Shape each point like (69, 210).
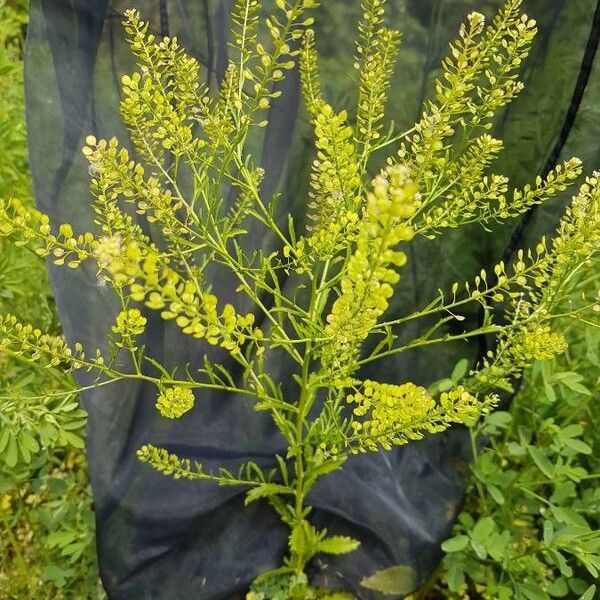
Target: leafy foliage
(530, 527)
(46, 522)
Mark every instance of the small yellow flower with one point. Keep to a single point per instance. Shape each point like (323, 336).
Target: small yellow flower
(6, 503)
(130, 324)
(175, 402)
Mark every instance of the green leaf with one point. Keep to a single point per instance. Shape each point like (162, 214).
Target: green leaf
(325, 467)
(495, 493)
(23, 449)
(48, 434)
(4, 438)
(69, 438)
(12, 453)
(562, 492)
(304, 539)
(561, 562)
(265, 490)
(400, 579)
(61, 539)
(550, 393)
(548, 532)
(445, 384)
(500, 418)
(532, 591)
(542, 462)
(455, 544)
(282, 468)
(592, 564)
(73, 551)
(460, 370)
(26, 440)
(568, 516)
(578, 446)
(589, 593)
(558, 588)
(57, 575)
(570, 431)
(456, 576)
(497, 544)
(515, 449)
(482, 530)
(574, 385)
(338, 544)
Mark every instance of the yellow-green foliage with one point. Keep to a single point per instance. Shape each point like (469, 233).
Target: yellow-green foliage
(194, 149)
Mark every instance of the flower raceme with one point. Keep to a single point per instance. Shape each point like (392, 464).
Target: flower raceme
(371, 272)
(386, 415)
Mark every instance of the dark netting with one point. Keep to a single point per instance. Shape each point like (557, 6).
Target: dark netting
(164, 540)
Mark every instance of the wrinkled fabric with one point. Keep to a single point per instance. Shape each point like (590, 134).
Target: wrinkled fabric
(160, 539)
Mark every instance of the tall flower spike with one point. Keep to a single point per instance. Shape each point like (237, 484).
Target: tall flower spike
(161, 101)
(371, 274)
(334, 178)
(376, 54)
(480, 77)
(309, 74)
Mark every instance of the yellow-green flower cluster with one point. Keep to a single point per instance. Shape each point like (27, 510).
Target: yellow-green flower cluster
(160, 102)
(539, 343)
(458, 405)
(130, 324)
(577, 239)
(286, 28)
(486, 200)
(530, 337)
(174, 402)
(425, 146)
(108, 254)
(386, 415)
(376, 53)
(150, 279)
(116, 176)
(23, 339)
(480, 77)
(194, 310)
(371, 272)
(515, 351)
(334, 178)
(30, 226)
(310, 79)
(218, 123)
(323, 243)
(168, 464)
(389, 414)
(182, 468)
(117, 259)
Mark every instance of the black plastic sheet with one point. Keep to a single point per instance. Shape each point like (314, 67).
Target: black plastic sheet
(164, 540)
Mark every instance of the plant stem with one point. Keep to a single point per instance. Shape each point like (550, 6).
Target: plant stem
(298, 559)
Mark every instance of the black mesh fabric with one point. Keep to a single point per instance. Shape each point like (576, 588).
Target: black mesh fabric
(164, 540)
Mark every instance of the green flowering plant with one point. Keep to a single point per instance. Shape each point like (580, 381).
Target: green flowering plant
(345, 263)
(530, 526)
